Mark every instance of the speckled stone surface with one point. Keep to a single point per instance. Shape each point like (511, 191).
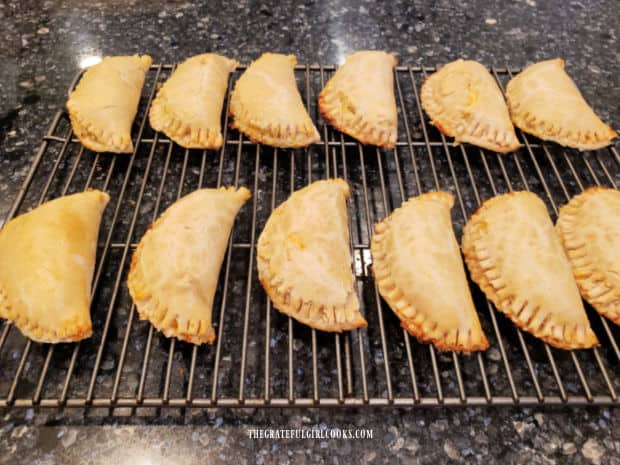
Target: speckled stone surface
(42, 45)
(513, 436)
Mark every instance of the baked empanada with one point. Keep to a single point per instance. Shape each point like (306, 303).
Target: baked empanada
(514, 254)
(304, 260)
(47, 258)
(267, 107)
(104, 104)
(589, 228)
(188, 106)
(463, 101)
(419, 272)
(359, 99)
(545, 102)
(176, 266)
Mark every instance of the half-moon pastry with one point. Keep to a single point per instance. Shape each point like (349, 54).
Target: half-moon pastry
(104, 104)
(463, 101)
(514, 254)
(47, 259)
(419, 272)
(175, 268)
(304, 260)
(589, 228)
(359, 99)
(545, 102)
(266, 104)
(188, 106)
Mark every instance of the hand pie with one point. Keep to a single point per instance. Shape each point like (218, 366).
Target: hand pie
(514, 254)
(359, 99)
(463, 101)
(304, 261)
(267, 106)
(545, 102)
(188, 106)
(175, 268)
(419, 272)
(589, 228)
(104, 103)
(47, 258)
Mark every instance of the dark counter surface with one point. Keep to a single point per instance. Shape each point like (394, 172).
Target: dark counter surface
(43, 44)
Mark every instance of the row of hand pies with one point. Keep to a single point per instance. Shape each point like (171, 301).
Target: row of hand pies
(462, 100)
(530, 270)
(265, 103)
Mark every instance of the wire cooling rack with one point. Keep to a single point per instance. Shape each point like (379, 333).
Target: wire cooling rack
(261, 357)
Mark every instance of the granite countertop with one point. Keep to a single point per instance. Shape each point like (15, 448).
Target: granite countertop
(42, 45)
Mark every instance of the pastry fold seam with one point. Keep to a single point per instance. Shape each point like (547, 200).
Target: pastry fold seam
(194, 331)
(602, 294)
(463, 101)
(358, 99)
(523, 313)
(412, 319)
(267, 107)
(544, 101)
(79, 329)
(280, 264)
(98, 140)
(179, 301)
(357, 126)
(332, 318)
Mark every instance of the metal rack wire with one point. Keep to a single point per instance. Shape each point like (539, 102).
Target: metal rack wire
(261, 357)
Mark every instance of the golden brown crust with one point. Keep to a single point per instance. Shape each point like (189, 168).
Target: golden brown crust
(304, 261)
(419, 272)
(516, 258)
(104, 103)
(98, 140)
(47, 258)
(188, 106)
(589, 228)
(359, 99)
(334, 319)
(72, 330)
(463, 101)
(266, 105)
(175, 268)
(545, 102)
